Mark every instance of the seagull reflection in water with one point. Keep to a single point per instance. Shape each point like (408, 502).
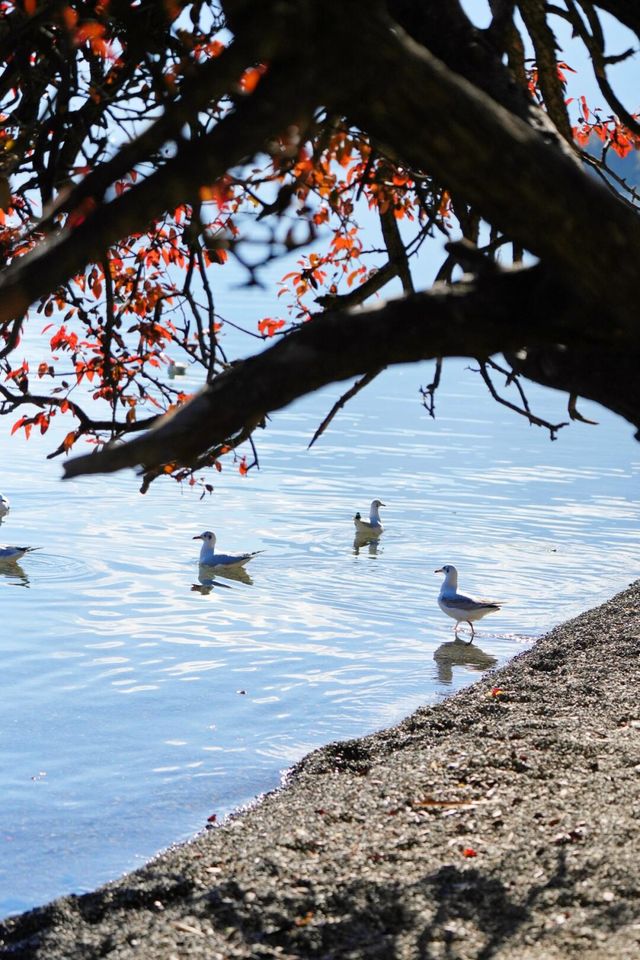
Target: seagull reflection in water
(15, 573)
(208, 577)
(459, 653)
(366, 540)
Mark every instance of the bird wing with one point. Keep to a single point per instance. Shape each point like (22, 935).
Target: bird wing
(460, 602)
(8, 553)
(229, 560)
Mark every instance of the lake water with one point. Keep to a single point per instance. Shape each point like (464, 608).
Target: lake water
(138, 701)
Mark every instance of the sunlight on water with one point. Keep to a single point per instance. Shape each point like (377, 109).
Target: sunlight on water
(142, 694)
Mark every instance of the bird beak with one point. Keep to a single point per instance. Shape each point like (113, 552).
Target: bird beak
(439, 570)
(199, 537)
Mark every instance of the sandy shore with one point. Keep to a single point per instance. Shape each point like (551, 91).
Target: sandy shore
(504, 822)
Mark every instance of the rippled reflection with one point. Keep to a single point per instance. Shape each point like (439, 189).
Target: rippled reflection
(461, 653)
(371, 542)
(239, 574)
(209, 578)
(15, 574)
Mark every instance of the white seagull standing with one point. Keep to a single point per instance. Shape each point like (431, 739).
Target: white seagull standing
(373, 525)
(4, 506)
(462, 609)
(11, 554)
(213, 559)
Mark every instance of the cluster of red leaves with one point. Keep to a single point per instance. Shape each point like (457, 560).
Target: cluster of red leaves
(609, 130)
(98, 339)
(328, 180)
(533, 79)
(268, 327)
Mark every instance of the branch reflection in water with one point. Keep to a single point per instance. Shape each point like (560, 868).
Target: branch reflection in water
(458, 653)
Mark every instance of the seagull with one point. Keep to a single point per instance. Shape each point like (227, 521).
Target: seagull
(373, 524)
(4, 506)
(11, 554)
(462, 609)
(177, 368)
(212, 559)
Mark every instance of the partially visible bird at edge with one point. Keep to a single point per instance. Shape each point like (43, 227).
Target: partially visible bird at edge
(11, 554)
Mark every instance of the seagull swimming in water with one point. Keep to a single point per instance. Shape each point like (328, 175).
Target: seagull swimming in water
(213, 559)
(177, 368)
(373, 525)
(11, 554)
(4, 506)
(462, 609)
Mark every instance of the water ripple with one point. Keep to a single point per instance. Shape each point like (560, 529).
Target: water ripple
(137, 686)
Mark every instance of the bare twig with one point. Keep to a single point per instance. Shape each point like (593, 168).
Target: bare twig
(429, 393)
(524, 410)
(344, 399)
(575, 414)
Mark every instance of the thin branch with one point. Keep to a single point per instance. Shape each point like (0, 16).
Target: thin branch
(575, 414)
(344, 399)
(524, 410)
(429, 392)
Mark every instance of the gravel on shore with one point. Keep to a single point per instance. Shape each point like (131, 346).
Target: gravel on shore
(501, 823)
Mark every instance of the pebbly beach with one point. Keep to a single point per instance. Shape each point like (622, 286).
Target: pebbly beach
(503, 822)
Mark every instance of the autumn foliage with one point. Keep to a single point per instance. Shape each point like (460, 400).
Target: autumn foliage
(98, 98)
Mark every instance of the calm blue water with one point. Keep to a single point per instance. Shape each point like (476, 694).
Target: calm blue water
(137, 700)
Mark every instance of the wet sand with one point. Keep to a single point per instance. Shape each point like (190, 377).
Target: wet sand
(502, 823)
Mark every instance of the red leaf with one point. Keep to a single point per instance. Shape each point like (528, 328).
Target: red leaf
(69, 440)
(585, 108)
(251, 78)
(268, 327)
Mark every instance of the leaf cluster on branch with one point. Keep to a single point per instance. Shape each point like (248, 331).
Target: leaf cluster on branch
(144, 146)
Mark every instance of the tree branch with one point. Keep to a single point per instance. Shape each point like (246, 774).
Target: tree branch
(512, 176)
(235, 138)
(473, 318)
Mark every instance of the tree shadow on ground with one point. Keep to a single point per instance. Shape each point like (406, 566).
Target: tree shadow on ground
(429, 918)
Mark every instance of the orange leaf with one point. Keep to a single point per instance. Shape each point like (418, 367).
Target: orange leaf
(268, 327)
(251, 78)
(585, 108)
(88, 31)
(217, 255)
